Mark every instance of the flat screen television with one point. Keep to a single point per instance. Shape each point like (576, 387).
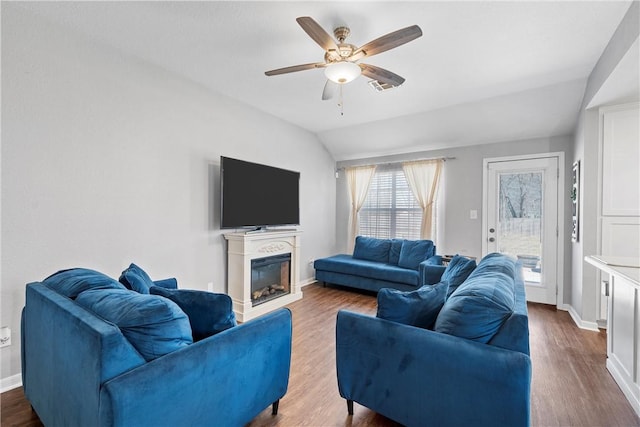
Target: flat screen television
(257, 196)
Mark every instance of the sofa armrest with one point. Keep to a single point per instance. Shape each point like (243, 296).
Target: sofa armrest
(417, 376)
(227, 378)
(431, 270)
(170, 283)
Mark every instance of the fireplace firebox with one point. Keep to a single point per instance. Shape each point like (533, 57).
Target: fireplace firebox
(270, 278)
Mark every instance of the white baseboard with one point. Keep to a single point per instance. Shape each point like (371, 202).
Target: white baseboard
(626, 384)
(308, 281)
(10, 383)
(582, 324)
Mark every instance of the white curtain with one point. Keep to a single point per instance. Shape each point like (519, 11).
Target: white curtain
(423, 177)
(358, 179)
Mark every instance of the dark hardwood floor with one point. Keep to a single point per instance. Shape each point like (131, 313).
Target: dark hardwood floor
(571, 385)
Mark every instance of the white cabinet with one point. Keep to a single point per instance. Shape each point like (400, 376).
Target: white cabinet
(620, 157)
(623, 333)
(619, 188)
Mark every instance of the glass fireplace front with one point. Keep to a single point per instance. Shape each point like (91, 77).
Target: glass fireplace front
(270, 278)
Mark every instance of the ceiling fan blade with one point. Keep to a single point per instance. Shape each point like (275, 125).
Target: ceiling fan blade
(389, 41)
(295, 68)
(317, 33)
(329, 90)
(381, 75)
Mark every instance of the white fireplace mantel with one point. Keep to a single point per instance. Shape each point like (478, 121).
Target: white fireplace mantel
(242, 247)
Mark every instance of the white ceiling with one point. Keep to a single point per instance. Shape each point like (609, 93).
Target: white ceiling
(482, 71)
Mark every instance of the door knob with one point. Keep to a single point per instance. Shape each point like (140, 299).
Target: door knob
(492, 230)
(491, 239)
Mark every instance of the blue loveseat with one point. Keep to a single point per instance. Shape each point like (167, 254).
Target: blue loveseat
(383, 263)
(95, 353)
(471, 368)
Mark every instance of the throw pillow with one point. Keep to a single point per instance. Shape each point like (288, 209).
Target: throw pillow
(154, 325)
(136, 279)
(74, 281)
(415, 308)
(372, 249)
(457, 271)
(208, 313)
(413, 252)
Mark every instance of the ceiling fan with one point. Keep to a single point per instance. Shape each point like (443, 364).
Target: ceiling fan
(340, 59)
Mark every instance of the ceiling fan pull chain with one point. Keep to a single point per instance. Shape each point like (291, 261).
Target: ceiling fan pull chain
(341, 102)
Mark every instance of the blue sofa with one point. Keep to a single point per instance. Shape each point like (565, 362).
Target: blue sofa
(383, 263)
(472, 368)
(176, 358)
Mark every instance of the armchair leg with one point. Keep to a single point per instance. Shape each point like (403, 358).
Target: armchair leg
(350, 406)
(274, 407)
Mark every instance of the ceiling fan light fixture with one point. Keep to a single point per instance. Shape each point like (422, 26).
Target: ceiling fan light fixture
(342, 72)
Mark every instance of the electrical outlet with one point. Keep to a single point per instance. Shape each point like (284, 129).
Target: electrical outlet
(210, 286)
(473, 214)
(311, 261)
(5, 336)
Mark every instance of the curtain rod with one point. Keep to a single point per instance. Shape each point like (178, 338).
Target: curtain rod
(396, 163)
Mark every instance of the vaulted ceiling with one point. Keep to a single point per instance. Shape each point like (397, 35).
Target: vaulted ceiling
(481, 72)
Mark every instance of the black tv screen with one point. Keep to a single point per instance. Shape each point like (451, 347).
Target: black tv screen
(255, 195)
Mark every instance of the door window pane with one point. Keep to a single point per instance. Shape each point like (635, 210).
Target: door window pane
(520, 220)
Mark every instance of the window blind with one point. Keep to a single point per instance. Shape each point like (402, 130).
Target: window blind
(390, 210)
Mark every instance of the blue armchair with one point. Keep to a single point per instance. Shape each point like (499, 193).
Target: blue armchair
(81, 370)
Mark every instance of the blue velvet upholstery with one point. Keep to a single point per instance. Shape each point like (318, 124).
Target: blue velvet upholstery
(72, 282)
(367, 271)
(208, 313)
(415, 308)
(413, 252)
(420, 377)
(154, 325)
(372, 249)
(457, 271)
(80, 370)
(370, 269)
(394, 251)
(480, 305)
(135, 278)
(170, 283)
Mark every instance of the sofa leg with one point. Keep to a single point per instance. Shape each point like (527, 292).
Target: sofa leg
(350, 406)
(274, 407)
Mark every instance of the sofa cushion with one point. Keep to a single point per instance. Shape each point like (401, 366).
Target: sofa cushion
(413, 252)
(74, 281)
(415, 308)
(346, 264)
(136, 279)
(372, 249)
(457, 271)
(208, 313)
(394, 251)
(479, 307)
(154, 325)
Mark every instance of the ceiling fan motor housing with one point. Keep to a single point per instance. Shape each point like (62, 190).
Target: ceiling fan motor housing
(341, 33)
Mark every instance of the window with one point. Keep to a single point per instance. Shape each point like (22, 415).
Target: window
(390, 210)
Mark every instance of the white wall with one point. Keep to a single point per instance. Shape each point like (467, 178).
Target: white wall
(462, 191)
(585, 285)
(107, 160)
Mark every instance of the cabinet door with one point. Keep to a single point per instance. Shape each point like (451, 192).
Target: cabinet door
(620, 156)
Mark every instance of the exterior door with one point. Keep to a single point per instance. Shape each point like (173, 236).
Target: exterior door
(521, 219)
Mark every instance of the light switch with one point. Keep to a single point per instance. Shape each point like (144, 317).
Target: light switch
(473, 214)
